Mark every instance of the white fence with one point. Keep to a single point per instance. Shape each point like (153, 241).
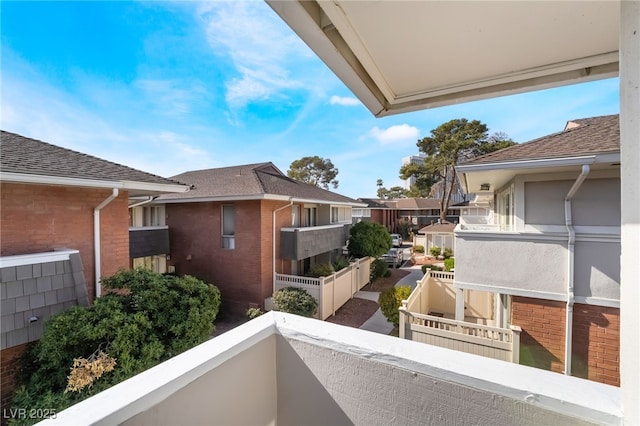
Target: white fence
(417, 325)
(332, 291)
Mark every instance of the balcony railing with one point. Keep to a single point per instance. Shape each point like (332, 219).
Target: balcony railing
(301, 243)
(419, 323)
(333, 291)
(148, 241)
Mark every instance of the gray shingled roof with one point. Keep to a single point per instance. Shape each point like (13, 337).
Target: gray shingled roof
(250, 180)
(19, 154)
(595, 135)
(438, 228)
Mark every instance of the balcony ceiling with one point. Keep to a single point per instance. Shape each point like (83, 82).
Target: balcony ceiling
(399, 56)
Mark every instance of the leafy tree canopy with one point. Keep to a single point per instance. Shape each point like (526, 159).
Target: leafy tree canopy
(368, 239)
(315, 171)
(392, 193)
(448, 144)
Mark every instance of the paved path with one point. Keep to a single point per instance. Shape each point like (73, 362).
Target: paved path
(378, 322)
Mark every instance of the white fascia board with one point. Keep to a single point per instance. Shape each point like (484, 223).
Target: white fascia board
(34, 258)
(298, 15)
(154, 188)
(250, 197)
(514, 291)
(527, 164)
(58, 180)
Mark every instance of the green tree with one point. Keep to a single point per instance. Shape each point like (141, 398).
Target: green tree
(391, 193)
(315, 171)
(368, 239)
(450, 143)
(149, 319)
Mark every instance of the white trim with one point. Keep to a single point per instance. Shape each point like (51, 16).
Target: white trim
(499, 236)
(598, 301)
(253, 197)
(513, 291)
(35, 258)
(147, 228)
(316, 228)
(528, 164)
(90, 183)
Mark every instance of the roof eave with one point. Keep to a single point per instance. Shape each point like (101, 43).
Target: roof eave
(151, 188)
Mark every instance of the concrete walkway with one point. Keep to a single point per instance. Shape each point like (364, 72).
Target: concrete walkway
(378, 322)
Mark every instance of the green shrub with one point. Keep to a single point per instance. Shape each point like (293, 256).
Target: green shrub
(418, 249)
(432, 267)
(321, 270)
(295, 301)
(387, 273)
(378, 269)
(390, 300)
(340, 263)
(150, 319)
(449, 264)
(368, 239)
(447, 253)
(254, 313)
(435, 251)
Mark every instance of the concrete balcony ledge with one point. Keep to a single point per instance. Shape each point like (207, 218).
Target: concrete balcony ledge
(286, 369)
(315, 228)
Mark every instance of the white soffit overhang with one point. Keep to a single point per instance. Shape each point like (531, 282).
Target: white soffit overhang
(399, 56)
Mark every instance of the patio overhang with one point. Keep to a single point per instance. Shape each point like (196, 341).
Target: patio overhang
(406, 56)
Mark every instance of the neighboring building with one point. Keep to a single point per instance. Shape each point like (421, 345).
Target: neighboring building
(420, 212)
(552, 247)
(412, 159)
(64, 223)
(378, 212)
(240, 226)
(438, 234)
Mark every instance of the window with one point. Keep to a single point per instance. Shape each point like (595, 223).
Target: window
(310, 216)
(340, 214)
(295, 216)
(505, 209)
(228, 226)
(147, 216)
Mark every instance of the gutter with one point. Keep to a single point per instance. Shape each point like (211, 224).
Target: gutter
(96, 237)
(273, 254)
(145, 201)
(570, 267)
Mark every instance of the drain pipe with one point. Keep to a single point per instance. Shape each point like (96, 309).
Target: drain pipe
(570, 267)
(273, 254)
(96, 237)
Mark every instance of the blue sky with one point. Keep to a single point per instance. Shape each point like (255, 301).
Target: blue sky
(167, 87)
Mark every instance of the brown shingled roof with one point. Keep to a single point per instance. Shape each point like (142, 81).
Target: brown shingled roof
(250, 180)
(438, 228)
(19, 154)
(595, 135)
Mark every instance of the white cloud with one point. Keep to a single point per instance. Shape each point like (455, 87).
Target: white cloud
(261, 49)
(344, 101)
(398, 134)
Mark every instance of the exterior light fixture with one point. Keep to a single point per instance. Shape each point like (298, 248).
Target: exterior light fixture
(485, 187)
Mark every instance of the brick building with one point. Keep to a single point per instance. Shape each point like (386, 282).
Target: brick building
(239, 226)
(64, 222)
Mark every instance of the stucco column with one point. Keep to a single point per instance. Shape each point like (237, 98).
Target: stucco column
(459, 304)
(630, 238)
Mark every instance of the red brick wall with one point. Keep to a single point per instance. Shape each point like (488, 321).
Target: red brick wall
(244, 274)
(596, 343)
(543, 330)
(9, 363)
(37, 218)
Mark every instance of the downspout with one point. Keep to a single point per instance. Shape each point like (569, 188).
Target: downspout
(570, 267)
(96, 237)
(273, 254)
